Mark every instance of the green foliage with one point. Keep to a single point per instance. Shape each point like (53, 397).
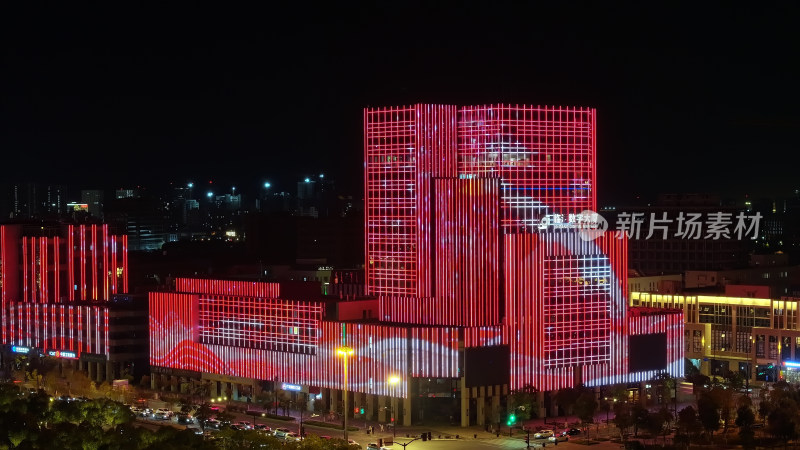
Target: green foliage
(523, 402)
(708, 412)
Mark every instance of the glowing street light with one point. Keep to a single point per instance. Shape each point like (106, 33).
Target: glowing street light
(345, 352)
(308, 180)
(394, 380)
(267, 185)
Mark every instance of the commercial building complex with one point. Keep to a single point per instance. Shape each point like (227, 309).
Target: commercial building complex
(64, 295)
(481, 276)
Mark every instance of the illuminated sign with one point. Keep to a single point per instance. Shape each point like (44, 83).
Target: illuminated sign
(291, 387)
(792, 364)
(19, 349)
(78, 206)
(62, 354)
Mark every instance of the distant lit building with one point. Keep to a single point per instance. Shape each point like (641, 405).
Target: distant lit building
(745, 331)
(93, 198)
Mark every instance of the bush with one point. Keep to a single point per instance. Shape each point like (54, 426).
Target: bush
(336, 426)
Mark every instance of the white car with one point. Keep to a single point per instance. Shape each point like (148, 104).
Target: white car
(558, 438)
(245, 424)
(543, 434)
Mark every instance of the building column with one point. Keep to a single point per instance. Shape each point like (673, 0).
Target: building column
(334, 403)
(109, 371)
(481, 408)
(406, 412)
(92, 369)
(542, 409)
(382, 408)
(642, 394)
(465, 396)
(495, 405)
(370, 407)
(153, 380)
(214, 391)
(234, 391)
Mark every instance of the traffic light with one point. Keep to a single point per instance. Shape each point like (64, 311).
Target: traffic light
(512, 419)
(362, 411)
(355, 410)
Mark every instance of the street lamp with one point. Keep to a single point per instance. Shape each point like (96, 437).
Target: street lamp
(394, 380)
(345, 352)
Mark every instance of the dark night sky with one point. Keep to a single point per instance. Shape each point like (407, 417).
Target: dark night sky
(689, 98)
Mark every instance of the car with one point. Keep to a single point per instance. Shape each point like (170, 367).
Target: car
(292, 437)
(165, 411)
(561, 437)
(352, 442)
(245, 424)
(543, 434)
(196, 430)
(213, 423)
(326, 437)
(374, 446)
(261, 427)
(572, 432)
(281, 433)
(159, 415)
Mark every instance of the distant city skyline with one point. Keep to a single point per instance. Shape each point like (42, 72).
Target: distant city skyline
(688, 100)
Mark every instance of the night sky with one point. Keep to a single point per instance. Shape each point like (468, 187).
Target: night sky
(690, 98)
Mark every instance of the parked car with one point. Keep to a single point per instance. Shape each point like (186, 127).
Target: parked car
(573, 431)
(374, 446)
(543, 434)
(281, 433)
(561, 437)
(213, 423)
(263, 428)
(245, 424)
(293, 437)
(185, 419)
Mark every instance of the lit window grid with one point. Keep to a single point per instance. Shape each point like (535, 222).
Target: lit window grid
(576, 310)
(545, 157)
(524, 269)
(404, 149)
(228, 287)
(390, 200)
(260, 323)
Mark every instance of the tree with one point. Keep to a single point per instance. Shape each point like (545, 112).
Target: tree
(745, 418)
(708, 412)
(203, 414)
(585, 408)
(688, 422)
(566, 398)
(623, 419)
(641, 417)
(523, 402)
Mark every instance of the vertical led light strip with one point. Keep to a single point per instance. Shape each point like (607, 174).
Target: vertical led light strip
(95, 262)
(71, 262)
(82, 231)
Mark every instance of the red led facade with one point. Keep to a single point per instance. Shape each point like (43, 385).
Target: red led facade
(456, 256)
(404, 149)
(564, 305)
(545, 157)
(55, 285)
(177, 341)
